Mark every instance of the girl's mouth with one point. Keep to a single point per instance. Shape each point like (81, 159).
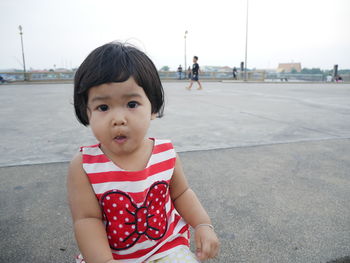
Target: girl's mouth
(120, 139)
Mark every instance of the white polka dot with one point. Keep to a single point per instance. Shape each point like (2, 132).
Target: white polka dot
(115, 244)
(127, 206)
(139, 219)
(157, 232)
(114, 205)
(160, 203)
(121, 198)
(114, 218)
(161, 192)
(145, 211)
(145, 224)
(115, 232)
(108, 210)
(121, 212)
(127, 219)
(134, 239)
(159, 224)
(120, 226)
(163, 196)
(109, 223)
(155, 220)
(161, 215)
(108, 198)
(109, 237)
(157, 211)
(127, 233)
(133, 226)
(156, 187)
(157, 199)
(120, 239)
(152, 207)
(103, 203)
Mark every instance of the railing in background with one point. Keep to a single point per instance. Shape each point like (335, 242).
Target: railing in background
(173, 75)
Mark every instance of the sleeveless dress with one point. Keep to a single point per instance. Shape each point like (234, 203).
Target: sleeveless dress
(141, 222)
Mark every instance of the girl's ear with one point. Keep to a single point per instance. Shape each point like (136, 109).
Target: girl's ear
(154, 115)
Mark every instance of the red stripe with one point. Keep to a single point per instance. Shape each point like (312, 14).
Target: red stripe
(121, 176)
(174, 243)
(101, 158)
(162, 147)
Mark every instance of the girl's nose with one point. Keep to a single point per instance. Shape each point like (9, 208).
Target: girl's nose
(119, 120)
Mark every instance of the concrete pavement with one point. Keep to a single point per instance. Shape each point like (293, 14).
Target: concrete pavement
(270, 163)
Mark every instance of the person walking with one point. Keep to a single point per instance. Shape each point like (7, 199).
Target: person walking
(195, 71)
(179, 72)
(234, 73)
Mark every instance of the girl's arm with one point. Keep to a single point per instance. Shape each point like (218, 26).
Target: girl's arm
(189, 207)
(87, 217)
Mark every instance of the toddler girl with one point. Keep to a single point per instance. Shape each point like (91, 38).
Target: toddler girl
(128, 195)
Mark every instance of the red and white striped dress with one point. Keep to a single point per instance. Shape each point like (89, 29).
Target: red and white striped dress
(141, 221)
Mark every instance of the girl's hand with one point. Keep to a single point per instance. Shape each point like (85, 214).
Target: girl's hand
(207, 243)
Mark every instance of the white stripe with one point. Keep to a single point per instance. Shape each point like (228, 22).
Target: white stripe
(97, 151)
(168, 252)
(133, 186)
(159, 142)
(110, 166)
(100, 167)
(161, 157)
(94, 151)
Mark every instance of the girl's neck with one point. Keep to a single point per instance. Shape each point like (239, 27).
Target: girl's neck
(134, 161)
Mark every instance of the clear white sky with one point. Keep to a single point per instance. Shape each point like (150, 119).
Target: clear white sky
(313, 32)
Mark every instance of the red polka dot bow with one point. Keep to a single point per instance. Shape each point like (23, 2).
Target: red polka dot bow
(127, 222)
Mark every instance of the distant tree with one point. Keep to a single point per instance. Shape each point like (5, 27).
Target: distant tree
(294, 71)
(165, 68)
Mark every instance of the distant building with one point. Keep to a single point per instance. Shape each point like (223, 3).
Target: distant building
(288, 67)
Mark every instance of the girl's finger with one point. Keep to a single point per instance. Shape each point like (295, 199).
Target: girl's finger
(205, 253)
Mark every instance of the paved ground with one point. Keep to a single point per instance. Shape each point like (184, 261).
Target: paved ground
(280, 192)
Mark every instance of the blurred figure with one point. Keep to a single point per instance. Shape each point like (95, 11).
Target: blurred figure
(234, 73)
(195, 71)
(179, 72)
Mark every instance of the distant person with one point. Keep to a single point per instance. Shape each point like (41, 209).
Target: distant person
(234, 73)
(179, 72)
(338, 78)
(329, 78)
(2, 80)
(195, 71)
(189, 72)
(128, 195)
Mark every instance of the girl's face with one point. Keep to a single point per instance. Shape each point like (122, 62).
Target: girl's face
(119, 116)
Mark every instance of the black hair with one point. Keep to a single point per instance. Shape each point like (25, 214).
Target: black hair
(195, 57)
(116, 62)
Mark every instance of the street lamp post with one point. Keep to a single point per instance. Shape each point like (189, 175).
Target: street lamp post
(246, 44)
(24, 63)
(185, 70)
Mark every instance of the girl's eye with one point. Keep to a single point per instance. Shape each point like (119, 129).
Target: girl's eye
(133, 104)
(102, 107)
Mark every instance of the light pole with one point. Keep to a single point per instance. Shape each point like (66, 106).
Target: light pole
(185, 71)
(24, 63)
(246, 44)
